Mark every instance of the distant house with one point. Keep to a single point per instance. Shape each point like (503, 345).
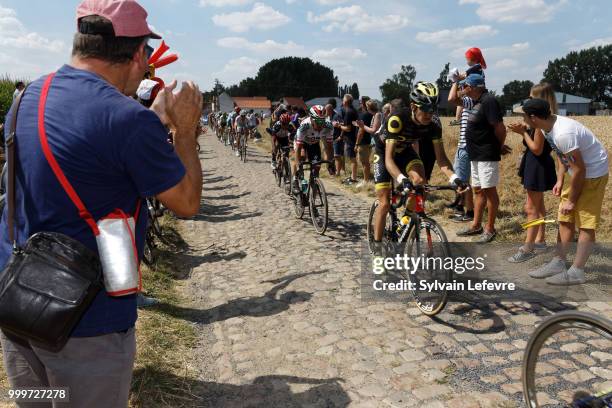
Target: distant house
(225, 103)
(570, 104)
(294, 101)
(259, 104)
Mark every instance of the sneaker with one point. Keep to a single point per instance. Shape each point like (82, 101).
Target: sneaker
(145, 301)
(540, 247)
(461, 218)
(573, 276)
(486, 237)
(349, 181)
(237, 153)
(521, 256)
(469, 231)
(273, 165)
(554, 267)
(361, 184)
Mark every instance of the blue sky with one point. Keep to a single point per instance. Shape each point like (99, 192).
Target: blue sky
(363, 42)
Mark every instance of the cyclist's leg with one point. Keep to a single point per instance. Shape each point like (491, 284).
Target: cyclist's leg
(382, 180)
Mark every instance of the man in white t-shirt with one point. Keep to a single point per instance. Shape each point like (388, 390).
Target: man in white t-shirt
(586, 161)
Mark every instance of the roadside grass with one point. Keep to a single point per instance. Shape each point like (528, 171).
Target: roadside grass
(163, 371)
(511, 192)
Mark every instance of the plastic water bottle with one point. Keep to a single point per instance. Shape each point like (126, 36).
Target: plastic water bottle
(304, 185)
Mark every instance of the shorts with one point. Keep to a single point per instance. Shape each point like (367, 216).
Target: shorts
(406, 161)
(282, 141)
(364, 153)
(485, 174)
(313, 151)
(587, 213)
(462, 165)
(349, 149)
(338, 148)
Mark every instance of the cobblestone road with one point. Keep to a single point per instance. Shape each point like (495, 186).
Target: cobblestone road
(283, 324)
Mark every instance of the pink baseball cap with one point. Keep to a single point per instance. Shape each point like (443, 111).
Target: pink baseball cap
(128, 17)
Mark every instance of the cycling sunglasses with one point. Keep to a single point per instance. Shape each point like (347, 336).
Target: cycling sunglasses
(428, 108)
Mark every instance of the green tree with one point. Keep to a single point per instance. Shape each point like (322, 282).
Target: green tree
(289, 76)
(514, 92)
(586, 73)
(442, 81)
(399, 85)
(218, 88)
(355, 90)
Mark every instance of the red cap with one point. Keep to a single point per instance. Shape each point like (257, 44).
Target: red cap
(476, 55)
(128, 17)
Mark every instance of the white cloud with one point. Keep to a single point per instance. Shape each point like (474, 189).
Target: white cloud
(338, 54)
(237, 69)
(506, 63)
(595, 43)
(221, 3)
(14, 34)
(448, 38)
(515, 11)
(331, 2)
(354, 18)
(265, 47)
(261, 17)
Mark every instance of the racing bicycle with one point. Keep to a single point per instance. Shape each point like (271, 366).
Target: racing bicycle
(416, 234)
(312, 195)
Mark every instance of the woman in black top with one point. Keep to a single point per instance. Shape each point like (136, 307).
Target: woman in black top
(538, 174)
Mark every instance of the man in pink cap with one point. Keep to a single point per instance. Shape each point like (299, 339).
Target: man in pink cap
(115, 153)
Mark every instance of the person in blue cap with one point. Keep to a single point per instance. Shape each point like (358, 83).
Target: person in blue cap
(485, 138)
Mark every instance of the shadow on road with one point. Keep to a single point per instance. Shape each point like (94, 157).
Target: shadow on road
(269, 304)
(264, 392)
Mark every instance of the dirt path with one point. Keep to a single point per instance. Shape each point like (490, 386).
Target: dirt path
(283, 323)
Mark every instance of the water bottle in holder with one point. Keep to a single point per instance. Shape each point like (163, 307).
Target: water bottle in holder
(304, 185)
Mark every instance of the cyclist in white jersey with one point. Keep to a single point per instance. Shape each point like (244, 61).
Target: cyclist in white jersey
(309, 135)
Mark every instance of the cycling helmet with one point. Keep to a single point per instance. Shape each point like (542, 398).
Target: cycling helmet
(425, 96)
(317, 114)
(285, 119)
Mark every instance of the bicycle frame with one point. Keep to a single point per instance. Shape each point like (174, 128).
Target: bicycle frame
(314, 167)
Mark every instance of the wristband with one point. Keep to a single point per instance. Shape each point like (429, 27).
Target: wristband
(400, 178)
(453, 178)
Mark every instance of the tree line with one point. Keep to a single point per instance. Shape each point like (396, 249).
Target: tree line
(585, 73)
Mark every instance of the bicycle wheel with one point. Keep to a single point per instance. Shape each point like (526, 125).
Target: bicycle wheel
(243, 146)
(148, 256)
(286, 170)
(299, 202)
(577, 346)
(428, 238)
(317, 203)
(278, 172)
(370, 226)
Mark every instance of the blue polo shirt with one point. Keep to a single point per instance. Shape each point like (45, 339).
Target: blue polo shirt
(112, 150)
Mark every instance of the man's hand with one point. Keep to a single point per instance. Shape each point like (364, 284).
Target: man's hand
(164, 99)
(186, 108)
(557, 189)
(567, 207)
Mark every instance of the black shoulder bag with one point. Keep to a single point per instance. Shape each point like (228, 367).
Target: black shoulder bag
(49, 283)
